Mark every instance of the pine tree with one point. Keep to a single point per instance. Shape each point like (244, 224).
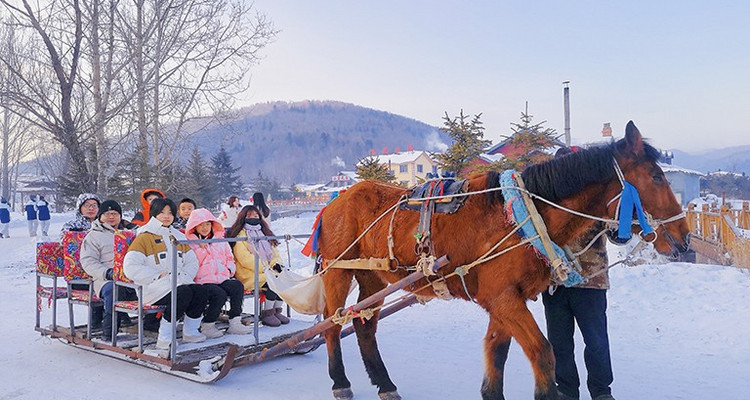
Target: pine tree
(226, 181)
(369, 168)
(129, 178)
(530, 139)
(468, 142)
(197, 180)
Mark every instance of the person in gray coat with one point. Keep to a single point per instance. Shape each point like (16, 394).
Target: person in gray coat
(97, 259)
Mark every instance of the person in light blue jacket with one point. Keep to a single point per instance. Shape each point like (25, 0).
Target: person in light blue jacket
(31, 212)
(42, 208)
(4, 217)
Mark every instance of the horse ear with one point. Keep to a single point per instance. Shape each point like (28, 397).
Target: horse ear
(633, 139)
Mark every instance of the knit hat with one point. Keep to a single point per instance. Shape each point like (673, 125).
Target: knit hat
(109, 205)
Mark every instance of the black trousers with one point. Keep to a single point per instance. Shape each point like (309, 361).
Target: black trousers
(191, 301)
(217, 296)
(587, 308)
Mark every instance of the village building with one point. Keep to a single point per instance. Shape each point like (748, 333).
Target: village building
(409, 167)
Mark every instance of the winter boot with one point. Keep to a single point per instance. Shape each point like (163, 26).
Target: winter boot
(236, 327)
(280, 315)
(107, 327)
(210, 331)
(165, 335)
(268, 318)
(190, 332)
(97, 314)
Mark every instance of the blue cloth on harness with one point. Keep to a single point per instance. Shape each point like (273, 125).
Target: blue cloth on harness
(630, 201)
(316, 230)
(516, 211)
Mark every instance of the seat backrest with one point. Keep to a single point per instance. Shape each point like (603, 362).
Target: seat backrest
(71, 244)
(123, 239)
(49, 258)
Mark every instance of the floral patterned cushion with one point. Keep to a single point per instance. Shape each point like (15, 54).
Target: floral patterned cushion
(71, 245)
(123, 239)
(49, 258)
(133, 305)
(83, 295)
(46, 292)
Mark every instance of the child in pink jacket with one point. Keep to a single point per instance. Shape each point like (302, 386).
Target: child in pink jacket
(215, 271)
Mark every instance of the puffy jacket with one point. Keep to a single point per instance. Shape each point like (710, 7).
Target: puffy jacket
(4, 213)
(30, 210)
(149, 256)
(229, 215)
(97, 253)
(142, 217)
(215, 260)
(43, 209)
(245, 260)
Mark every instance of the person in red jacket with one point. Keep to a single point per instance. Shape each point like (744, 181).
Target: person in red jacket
(147, 196)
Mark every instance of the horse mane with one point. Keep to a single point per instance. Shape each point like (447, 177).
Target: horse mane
(565, 176)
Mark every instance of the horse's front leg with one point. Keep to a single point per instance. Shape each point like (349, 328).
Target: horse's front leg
(496, 345)
(521, 325)
(368, 345)
(336, 283)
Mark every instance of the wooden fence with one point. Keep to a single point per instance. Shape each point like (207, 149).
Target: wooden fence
(720, 235)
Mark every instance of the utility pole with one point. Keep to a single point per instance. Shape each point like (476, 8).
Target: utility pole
(566, 106)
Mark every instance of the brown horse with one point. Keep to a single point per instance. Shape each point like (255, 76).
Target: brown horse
(584, 181)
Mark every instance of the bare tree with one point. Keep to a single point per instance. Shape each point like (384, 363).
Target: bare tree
(55, 114)
(190, 58)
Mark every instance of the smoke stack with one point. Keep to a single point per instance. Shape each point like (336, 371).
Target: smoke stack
(395, 151)
(385, 150)
(607, 130)
(566, 105)
(411, 148)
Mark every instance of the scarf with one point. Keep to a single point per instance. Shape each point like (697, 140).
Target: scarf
(262, 247)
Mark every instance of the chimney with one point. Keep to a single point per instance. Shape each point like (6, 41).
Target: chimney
(385, 150)
(607, 130)
(395, 151)
(411, 148)
(372, 152)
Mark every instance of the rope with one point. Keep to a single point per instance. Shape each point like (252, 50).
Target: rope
(341, 318)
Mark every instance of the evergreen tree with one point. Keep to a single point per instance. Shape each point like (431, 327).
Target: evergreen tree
(226, 181)
(129, 178)
(468, 142)
(370, 168)
(529, 139)
(197, 180)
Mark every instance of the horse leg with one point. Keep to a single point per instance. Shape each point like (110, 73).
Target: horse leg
(336, 283)
(368, 346)
(522, 326)
(496, 346)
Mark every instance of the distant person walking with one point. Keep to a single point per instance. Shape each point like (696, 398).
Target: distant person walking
(42, 208)
(4, 218)
(31, 215)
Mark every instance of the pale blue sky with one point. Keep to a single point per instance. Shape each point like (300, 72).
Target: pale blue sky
(679, 69)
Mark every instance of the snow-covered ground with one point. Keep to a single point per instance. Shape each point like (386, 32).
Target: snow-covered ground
(677, 331)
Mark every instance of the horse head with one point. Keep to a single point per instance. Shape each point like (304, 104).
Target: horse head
(638, 163)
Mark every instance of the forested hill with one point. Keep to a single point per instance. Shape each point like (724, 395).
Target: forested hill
(310, 141)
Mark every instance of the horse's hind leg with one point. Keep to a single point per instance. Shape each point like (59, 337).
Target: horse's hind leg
(337, 283)
(368, 346)
(522, 326)
(496, 345)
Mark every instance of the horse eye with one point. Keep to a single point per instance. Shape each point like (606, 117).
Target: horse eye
(658, 178)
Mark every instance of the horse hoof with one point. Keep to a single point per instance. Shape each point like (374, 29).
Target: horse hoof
(390, 396)
(343, 394)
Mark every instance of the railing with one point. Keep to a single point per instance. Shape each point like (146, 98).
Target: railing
(722, 234)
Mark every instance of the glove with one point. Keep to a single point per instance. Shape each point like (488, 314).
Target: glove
(108, 275)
